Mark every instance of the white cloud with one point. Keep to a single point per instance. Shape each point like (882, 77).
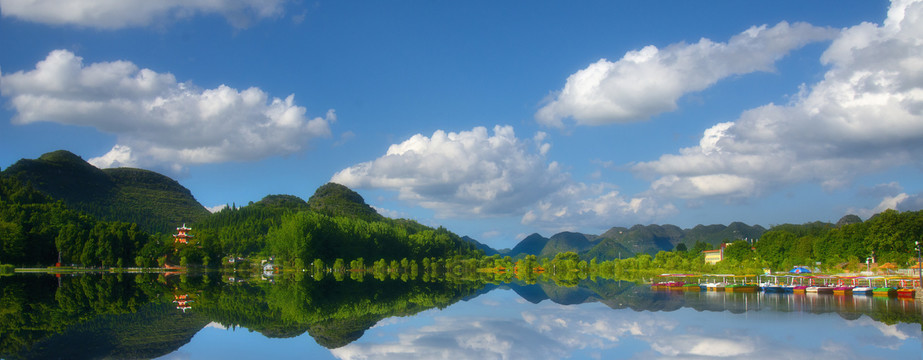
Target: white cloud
(217, 208)
(475, 174)
(461, 338)
(899, 202)
(394, 214)
(736, 346)
(158, 121)
(866, 115)
(579, 206)
(468, 173)
(115, 14)
(647, 82)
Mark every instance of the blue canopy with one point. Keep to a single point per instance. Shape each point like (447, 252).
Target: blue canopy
(800, 270)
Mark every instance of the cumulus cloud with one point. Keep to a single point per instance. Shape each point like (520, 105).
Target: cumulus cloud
(478, 174)
(217, 208)
(647, 82)
(579, 205)
(461, 338)
(158, 121)
(866, 115)
(115, 14)
(468, 173)
(899, 202)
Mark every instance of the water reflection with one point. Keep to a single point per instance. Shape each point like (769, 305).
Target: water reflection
(149, 315)
(502, 325)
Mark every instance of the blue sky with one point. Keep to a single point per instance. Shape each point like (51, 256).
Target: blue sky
(494, 120)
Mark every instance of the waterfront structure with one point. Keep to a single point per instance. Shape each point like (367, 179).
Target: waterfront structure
(714, 256)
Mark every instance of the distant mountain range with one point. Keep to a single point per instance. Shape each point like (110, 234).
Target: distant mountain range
(621, 242)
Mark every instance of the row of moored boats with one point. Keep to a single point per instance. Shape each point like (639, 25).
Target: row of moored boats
(802, 284)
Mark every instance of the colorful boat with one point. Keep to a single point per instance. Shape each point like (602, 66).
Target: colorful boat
(800, 289)
(842, 290)
(862, 290)
(715, 286)
(884, 291)
(905, 293)
(772, 288)
(741, 288)
(819, 289)
(692, 287)
(669, 285)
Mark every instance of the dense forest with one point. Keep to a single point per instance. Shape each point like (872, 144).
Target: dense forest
(35, 230)
(888, 237)
(38, 230)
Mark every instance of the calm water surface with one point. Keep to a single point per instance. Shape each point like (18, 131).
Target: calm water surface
(138, 317)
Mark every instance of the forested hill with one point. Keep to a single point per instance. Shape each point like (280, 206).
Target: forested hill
(335, 223)
(155, 202)
(333, 199)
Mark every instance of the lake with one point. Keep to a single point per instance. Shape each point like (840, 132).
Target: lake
(219, 317)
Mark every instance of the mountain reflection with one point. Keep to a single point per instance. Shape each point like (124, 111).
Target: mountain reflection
(150, 315)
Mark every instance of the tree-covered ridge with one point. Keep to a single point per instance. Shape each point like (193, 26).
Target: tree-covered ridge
(241, 231)
(153, 201)
(35, 230)
(333, 199)
(285, 227)
(888, 236)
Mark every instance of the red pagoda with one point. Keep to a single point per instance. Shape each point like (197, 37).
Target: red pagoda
(183, 237)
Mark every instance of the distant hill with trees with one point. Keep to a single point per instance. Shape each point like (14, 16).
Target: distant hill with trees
(622, 242)
(333, 199)
(155, 202)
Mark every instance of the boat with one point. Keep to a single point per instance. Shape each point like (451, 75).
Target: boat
(692, 287)
(819, 289)
(800, 289)
(772, 288)
(741, 288)
(842, 290)
(905, 293)
(669, 285)
(862, 290)
(715, 286)
(884, 291)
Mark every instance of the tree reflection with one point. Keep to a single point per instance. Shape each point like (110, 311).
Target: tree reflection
(149, 315)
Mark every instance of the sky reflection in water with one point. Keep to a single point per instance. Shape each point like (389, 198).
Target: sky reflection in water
(501, 325)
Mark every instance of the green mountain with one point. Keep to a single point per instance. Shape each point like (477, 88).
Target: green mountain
(607, 249)
(333, 199)
(717, 234)
(647, 239)
(531, 245)
(290, 202)
(621, 242)
(567, 241)
(488, 251)
(155, 202)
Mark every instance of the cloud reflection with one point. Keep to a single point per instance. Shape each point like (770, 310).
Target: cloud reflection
(553, 331)
(462, 338)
